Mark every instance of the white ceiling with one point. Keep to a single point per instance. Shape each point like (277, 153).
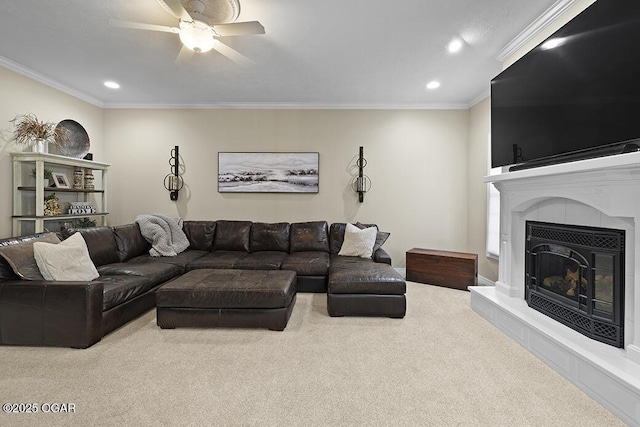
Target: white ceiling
(315, 53)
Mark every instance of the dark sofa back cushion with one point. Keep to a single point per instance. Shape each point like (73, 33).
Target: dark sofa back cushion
(270, 237)
(101, 243)
(16, 256)
(309, 236)
(336, 236)
(130, 242)
(232, 236)
(200, 234)
(6, 271)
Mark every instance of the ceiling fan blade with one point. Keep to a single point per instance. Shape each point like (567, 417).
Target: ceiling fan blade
(141, 26)
(232, 54)
(239, 28)
(175, 8)
(184, 55)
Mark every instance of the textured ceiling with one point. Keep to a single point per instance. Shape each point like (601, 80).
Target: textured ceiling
(331, 53)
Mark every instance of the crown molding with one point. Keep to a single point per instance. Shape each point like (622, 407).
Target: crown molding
(34, 75)
(535, 28)
(289, 106)
(480, 97)
(41, 78)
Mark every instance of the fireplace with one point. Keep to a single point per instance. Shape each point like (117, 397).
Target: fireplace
(592, 194)
(574, 274)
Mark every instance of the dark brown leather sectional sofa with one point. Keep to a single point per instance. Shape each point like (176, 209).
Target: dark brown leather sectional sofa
(79, 314)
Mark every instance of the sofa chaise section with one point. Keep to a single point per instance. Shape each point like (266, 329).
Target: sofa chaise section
(361, 287)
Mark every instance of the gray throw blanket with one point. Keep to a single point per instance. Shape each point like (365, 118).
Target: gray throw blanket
(165, 234)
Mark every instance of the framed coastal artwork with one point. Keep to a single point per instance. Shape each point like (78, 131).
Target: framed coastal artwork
(268, 172)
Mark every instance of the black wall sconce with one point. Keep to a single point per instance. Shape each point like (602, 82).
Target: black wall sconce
(361, 183)
(173, 181)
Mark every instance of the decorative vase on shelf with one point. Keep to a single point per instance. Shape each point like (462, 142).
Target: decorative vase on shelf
(78, 176)
(88, 180)
(39, 146)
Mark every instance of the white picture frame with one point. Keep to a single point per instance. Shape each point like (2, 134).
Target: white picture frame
(60, 180)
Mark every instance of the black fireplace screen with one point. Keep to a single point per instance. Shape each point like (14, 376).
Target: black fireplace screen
(576, 276)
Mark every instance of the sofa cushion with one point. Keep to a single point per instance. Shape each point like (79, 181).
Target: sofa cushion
(232, 236)
(381, 237)
(101, 243)
(269, 237)
(155, 272)
(358, 242)
(309, 236)
(310, 263)
(200, 234)
(217, 259)
(337, 236)
(18, 254)
(68, 260)
(120, 289)
(181, 260)
(130, 241)
(6, 272)
(353, 275)
(265, 260)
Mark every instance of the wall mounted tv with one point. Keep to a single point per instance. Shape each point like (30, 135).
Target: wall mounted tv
(577, 100)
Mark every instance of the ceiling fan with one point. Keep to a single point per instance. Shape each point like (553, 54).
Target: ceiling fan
(201, 25)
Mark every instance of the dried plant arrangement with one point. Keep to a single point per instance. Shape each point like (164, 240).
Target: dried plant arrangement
(28, 130)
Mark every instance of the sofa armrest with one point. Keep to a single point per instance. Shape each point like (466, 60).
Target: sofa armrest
(382, 256)
(49, 313)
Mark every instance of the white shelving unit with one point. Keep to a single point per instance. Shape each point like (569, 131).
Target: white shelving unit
(28, 196)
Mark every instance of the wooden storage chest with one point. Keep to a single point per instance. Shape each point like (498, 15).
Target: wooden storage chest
(456, 270)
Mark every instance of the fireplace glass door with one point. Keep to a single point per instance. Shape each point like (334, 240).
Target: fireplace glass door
(603, 277)
(561, 271)
(575, 275)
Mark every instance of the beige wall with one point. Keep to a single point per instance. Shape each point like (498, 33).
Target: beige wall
(478, 160)
(21, 95)
(419, 163)
(416, 160)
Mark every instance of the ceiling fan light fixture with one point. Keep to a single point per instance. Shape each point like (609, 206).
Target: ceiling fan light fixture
(197, 36)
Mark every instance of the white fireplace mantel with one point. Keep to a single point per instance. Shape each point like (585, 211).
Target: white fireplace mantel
(601, 192)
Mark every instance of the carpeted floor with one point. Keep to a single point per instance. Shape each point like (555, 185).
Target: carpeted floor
(441, 365)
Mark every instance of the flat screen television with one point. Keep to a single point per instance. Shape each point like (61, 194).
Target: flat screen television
(577, 100)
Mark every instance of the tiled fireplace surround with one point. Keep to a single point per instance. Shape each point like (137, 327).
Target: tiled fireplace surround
(602, 192)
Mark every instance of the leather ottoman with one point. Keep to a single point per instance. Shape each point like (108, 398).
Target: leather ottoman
(227, 298)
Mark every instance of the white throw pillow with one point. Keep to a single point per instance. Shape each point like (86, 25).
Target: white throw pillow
(358, 242)
(67, 260)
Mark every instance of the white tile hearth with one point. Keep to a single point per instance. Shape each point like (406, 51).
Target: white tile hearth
(603, 192)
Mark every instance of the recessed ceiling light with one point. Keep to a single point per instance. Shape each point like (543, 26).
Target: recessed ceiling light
(433, 85)
(454, 45)
(552, 43)
(112, 85)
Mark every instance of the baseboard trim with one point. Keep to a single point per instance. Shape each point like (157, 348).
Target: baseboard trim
(483, 281)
